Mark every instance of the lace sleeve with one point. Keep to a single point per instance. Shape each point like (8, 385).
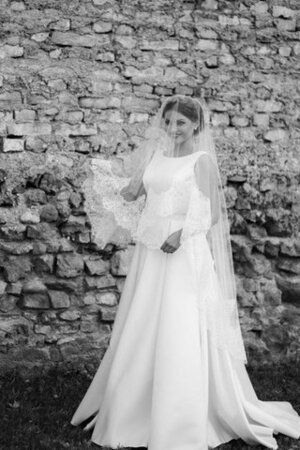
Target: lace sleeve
(204, 204)
(198, 216)
(112, 218)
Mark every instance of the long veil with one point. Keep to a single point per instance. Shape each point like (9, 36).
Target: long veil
(117, 192)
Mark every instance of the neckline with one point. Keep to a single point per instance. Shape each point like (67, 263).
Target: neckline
(181, 157)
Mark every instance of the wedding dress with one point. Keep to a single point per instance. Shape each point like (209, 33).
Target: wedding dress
(164, 382)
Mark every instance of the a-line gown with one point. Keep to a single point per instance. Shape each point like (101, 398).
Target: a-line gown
(163, 383)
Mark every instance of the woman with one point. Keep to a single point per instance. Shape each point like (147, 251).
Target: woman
(173, 376)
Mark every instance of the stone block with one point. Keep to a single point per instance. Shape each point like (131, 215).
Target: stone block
(11, 51)
(17, 6)
(12, 145)
(207, 45)
(138, 117)
(74, 224)
(25, 115)
(70, 316)
(10, 100)
(100, 282)
(261, 120)
(100, 103)
(30, 216)
(35, 197)
(102, 27)
(286, 25)
(31, 129)
(166, 44)
(272, 246)
(220, 119)
(60, 25)
(212, 62)
(75, 130)
(38, 144)
(289, 265)
(3, 287)
(40, 37)
(120, 261)
(137, 104)
(73, 285)
(260, 8)
(183, 90)
(71, 117)
(59, 299)
(296, 49)
(228, 21)
(107, 298)
(128, 42)
(227, 59)
(43, 329)
(282, 11)
(44, 263)
(55, 54)
(152, 72)
(108, 313)
(79, 40)
(239, 121)
(143, 89)
(105, 57)
(43, 231)
(89, 324)
(96, 266)
(16, 248)
(207, 33)
(7, 303)
(69, 265)
(16, 268)
(289, 286)
(290, 247)
(276, 135)
(49, 213)
(34, 286)
(35, 301)
(285, 51)
(100, 87)
(267, 106)
(231, 133)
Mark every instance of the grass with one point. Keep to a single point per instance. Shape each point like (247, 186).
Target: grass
(35, 413)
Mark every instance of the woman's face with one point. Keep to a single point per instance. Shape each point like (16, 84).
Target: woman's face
(178, 127)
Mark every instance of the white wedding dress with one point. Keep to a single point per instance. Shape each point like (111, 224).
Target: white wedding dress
(163, 383)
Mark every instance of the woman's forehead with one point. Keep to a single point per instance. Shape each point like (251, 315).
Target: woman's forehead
(175, 115)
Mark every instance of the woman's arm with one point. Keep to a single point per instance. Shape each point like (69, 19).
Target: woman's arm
(207, 181)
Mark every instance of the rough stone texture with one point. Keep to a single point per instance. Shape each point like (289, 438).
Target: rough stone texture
(82, 78)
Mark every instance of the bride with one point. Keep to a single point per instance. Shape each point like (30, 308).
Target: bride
(174, 376)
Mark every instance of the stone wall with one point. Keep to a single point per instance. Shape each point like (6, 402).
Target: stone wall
(81, 78)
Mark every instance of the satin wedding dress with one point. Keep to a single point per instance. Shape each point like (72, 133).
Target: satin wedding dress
(163, 383)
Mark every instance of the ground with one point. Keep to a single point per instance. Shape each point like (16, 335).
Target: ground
(35, 412)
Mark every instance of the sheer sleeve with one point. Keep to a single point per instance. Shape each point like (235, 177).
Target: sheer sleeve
(204, 203)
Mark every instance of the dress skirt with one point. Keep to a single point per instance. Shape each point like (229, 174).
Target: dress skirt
(163, 383)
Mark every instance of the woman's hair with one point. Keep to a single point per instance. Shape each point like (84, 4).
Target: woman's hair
(187, 107)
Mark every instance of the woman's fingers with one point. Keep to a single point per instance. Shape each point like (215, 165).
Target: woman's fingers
(168, 248)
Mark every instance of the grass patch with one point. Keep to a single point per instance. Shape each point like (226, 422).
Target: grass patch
(35, 413)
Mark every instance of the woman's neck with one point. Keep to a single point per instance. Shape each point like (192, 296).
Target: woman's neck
(185, 148)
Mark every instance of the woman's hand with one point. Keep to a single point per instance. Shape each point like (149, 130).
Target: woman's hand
(172, 243)
(128, 196)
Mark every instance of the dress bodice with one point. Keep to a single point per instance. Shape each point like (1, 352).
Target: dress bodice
(169, 182)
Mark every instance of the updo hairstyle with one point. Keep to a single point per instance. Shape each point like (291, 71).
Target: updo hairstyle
(188, 108)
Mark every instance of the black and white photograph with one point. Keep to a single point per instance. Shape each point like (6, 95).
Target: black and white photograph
(149, 224)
